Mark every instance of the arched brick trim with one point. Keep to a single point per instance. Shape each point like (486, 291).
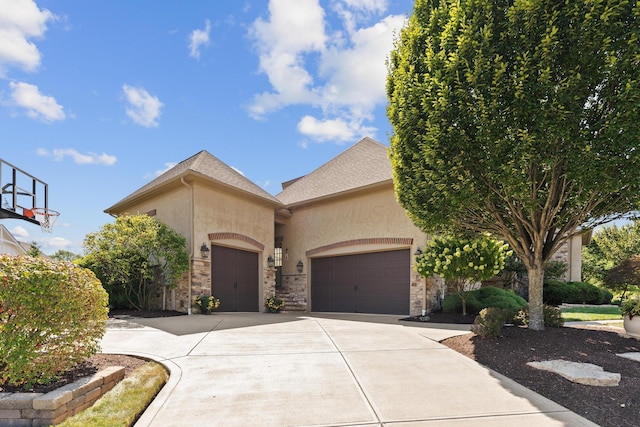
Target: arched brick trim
(405, 241)
(236, 236)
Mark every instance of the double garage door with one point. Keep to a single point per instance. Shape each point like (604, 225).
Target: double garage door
(365, 283)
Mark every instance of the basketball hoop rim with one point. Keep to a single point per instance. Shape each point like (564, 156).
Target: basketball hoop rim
(45, 211)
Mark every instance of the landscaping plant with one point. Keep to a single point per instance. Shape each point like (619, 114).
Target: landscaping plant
(207, 303)
(488, 296)
(517, 118)
(52, 316)
(462, 262)
(274, 304)
(489, 323)
(631, 307)
(134, 254)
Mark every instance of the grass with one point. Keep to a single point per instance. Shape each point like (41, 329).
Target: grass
(581, 314)
(123, 404)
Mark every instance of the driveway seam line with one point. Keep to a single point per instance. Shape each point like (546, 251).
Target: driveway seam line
(353, 374)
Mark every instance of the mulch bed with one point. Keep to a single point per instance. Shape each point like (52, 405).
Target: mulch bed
(99, 361)
(508, 355)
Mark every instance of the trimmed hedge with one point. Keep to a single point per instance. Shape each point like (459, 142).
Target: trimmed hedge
(52, 316)
(556, 293)
(482, 298)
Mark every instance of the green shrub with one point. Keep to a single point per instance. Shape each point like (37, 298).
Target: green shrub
(482, 298)
(489, 323)
(552, 317)
(556, 293)
(52, 316)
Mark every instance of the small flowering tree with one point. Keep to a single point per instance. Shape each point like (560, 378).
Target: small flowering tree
(462, 261)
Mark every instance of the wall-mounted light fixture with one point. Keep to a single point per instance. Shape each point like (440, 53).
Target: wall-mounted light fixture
(271, 262)
(300, 266)
(204, 250)
(418, 252)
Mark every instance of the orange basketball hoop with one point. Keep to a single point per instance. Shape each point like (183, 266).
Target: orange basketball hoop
(46, 218)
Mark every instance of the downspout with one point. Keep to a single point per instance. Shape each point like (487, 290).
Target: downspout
(192, 242)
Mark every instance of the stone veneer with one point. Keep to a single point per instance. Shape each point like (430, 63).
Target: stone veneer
(269, 285)
(44, 409)
(294, 292)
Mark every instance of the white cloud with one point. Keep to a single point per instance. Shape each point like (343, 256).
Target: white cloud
(157, 173)
(199, 38)
(336, 130)
(58, 154)
(341, 72)
(142, 108)
(21, 21)
(55, 243)
(38, 106)
(19, 231)
(295, 27)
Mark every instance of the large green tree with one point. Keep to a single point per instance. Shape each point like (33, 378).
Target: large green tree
(133, 254)
(610, 246)
(518, 118)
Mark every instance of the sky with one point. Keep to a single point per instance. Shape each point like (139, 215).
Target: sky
(97, 98)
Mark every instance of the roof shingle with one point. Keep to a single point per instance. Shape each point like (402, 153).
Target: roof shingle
(364, 164)
(210, 167)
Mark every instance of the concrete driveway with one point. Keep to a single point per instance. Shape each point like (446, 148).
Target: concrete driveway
(263, 369)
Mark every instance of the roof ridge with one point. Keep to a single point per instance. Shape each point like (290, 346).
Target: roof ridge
(364, 163)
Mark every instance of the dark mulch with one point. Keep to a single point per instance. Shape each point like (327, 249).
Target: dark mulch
(606, 406)
(441, 317)
(123, 312)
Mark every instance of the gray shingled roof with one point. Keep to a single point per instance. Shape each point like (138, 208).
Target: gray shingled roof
(209, 167)
(364, 164)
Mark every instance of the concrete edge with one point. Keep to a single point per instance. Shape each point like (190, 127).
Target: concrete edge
(535, 398)
(175, 375)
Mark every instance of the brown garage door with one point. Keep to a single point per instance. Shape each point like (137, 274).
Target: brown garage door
(364, 283)
(234, 278)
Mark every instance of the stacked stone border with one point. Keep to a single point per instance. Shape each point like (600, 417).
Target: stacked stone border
(44, 409)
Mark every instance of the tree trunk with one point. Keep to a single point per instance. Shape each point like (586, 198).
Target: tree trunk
(536, 307)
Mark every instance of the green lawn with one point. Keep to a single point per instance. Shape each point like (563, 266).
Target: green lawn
(578, 314)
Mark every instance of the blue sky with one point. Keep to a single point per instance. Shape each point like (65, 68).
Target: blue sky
(99, 97)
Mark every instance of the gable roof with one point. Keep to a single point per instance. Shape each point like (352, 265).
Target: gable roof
(9, 244)
(208, 167)
(364, 164)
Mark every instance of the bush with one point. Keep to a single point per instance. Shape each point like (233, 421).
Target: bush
(488, 324)
(556, 293)
(482, 298)
(552, 317)
(52, 316)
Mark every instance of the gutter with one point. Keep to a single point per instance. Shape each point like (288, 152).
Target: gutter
(191, 256)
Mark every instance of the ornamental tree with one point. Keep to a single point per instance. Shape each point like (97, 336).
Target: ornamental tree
(518, 118)
(608, 248)
(462, 262)
(135, 253)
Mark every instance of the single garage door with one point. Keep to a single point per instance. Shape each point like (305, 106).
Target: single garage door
(377, 282)
(234, 278)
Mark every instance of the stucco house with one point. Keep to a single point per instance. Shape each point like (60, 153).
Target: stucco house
(334, 240)
(9, 244)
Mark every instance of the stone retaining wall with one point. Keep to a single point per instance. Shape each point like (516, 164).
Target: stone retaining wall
(44, 409)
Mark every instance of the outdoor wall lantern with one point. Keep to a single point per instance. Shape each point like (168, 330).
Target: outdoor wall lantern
(418, 252)
(271, 262)
(300, 266)
(204, 250)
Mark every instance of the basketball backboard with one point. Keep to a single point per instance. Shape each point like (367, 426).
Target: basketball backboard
(21, 192)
